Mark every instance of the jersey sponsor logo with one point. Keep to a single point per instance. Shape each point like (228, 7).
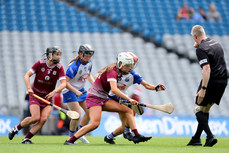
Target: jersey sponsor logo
(42, 69)
(80, 72)
(83, 78)
(54, 72)
(44, 82)
(47, 78)
(203, 61)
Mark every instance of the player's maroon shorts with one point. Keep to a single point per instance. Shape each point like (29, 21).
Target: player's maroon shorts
(33, 100)
(93, 100)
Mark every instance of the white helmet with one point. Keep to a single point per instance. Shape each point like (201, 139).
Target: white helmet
(126, 58)
(135, 58)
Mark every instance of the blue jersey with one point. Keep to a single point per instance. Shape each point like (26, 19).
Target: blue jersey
(78, 72)
(127, 80)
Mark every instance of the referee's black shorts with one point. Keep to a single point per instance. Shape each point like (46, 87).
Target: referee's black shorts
(214, 92)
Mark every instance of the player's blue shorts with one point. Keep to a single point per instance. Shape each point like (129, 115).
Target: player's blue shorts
(71, 96)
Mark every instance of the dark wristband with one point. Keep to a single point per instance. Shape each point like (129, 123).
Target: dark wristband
(203, 87)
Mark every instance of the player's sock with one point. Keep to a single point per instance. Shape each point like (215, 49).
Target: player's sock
(135, 131)
(198, 133)
(29, 135)
(203, 121)
(19, 127)
(127, 129)
(72, 139)
(111, 135)
(71, 133)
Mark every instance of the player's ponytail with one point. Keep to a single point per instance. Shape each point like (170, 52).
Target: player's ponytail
(107, 68)
(74, 59)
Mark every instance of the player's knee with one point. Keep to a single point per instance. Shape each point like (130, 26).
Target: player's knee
(43, 119)
(86, 114)
(35, 119)
(196, 109)
(129, 111)
(94, 124)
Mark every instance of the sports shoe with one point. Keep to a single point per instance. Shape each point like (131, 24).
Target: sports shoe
(69, 143)
(210, 141)
(84, 140)
(140, 138)
(194, 142)
(128, 136)
(27, 141)
(110, 141)
(12, 132)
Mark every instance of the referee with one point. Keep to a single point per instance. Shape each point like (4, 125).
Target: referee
(214, 81)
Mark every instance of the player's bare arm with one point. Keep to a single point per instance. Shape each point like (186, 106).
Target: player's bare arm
(91, 79)
(27, 82)
(71, 88)
(118, 93)
(152, 87)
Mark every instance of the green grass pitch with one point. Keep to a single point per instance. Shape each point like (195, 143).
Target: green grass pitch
(54, 144)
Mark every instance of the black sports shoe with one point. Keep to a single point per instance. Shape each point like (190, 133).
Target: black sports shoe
(128, 136)
(27, 141)
(194, 142)
(110, 141)
(140, 138)
(210, 141)
(12, 132)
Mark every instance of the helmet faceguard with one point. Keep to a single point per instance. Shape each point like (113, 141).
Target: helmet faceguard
(124, 59)
(53, 50)
(86, 49)
(135, 58)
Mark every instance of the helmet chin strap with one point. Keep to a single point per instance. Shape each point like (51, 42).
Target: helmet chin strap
(125, 73)
(119, 67)
(55, 61)
(82, 61)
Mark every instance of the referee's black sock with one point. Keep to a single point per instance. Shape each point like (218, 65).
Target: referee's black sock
(207, 115)
(203, 122)
(198, 133)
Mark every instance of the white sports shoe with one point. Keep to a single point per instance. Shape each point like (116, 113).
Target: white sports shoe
(84, 140)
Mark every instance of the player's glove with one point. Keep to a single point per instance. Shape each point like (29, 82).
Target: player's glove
(159, 87)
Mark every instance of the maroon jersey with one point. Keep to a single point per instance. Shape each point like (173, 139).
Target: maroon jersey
(46, 76)
(101, 86)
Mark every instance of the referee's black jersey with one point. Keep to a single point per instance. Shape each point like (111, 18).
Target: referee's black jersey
(211, 52)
